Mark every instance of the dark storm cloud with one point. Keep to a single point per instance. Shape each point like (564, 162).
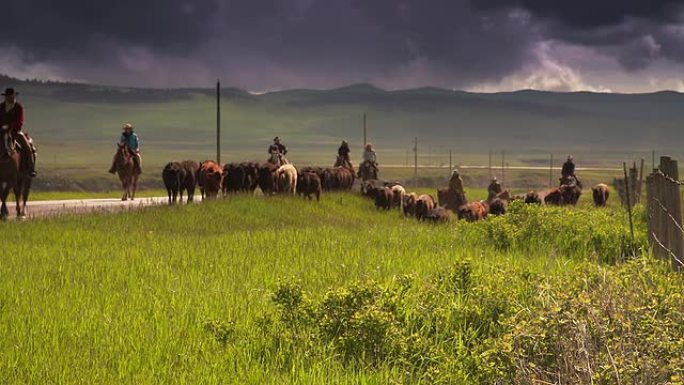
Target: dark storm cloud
(312, 42)
(265, 44)
(48, 27)
(593, 13)
(635, 32)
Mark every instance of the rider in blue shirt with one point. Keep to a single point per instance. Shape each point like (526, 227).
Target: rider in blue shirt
(130, 139)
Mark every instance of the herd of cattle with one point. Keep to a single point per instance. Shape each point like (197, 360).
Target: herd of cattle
(214, 180)
(389, 195)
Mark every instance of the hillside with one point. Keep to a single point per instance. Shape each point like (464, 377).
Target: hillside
(76, 125)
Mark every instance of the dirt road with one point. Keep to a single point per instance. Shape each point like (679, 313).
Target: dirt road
(41, 209)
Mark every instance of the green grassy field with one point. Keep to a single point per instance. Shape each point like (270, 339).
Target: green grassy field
(251, 290)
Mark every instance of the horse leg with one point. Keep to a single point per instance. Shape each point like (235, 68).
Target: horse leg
(191, 194)
(17, 197)
(25, 195)
(134, 187)
(4, 212)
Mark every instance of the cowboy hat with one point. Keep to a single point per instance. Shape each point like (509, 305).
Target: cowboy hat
(9, 92)
(277, 138)
(127, 126)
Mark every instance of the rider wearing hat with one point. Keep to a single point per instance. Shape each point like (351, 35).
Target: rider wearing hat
(568, 168)
(12, 119)
(277, 151)
(456, 183)
(343, 152)
(130, 139)
(493, 189)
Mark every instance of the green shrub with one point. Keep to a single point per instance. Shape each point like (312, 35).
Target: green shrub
(503, 326)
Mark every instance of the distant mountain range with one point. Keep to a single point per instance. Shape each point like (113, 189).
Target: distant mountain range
(525, 122)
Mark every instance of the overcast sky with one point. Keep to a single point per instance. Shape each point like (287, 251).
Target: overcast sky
(260, 45)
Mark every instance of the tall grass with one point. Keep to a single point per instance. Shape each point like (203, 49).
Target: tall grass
(185, 294)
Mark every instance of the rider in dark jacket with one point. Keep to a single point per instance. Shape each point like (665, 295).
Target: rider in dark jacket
(277, 152)
(343, 152)
(12, 120)
(568, 168)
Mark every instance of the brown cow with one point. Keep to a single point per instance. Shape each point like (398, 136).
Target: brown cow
(424, 204)
(553, 197)
(190, 181)
(472, 212)
(173, 175)
(267, 178)
(210, 176)
(410, 204)
(600, 193)
(439, 215)
(308, 184)
(498, 207)
(533, 197)
(383, 198)
(368, 187)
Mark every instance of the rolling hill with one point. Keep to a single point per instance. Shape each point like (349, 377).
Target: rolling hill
(76, 125)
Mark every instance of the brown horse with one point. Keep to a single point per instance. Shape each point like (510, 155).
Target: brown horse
(13, 176)
(128, 173)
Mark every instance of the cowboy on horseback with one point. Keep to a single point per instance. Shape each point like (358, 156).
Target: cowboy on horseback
(11, 122)
(343, 154)
(132, 143)
(370, 162)
(277, 152)
(568, 175)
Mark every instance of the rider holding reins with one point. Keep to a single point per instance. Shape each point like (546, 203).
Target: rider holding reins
(277, 152)
(132, 143)
(12, 119)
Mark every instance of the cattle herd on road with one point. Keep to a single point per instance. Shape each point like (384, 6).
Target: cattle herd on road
(215, 180)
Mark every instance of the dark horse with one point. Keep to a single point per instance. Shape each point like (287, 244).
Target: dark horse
(13, 175)
(128, 173)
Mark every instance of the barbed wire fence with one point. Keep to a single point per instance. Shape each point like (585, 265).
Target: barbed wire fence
(664, 210)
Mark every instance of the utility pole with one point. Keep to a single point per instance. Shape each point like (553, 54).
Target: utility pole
(365, 138)
(503, 164)
(218, 121)
(551, 172)
(490, 164)
(450, 163)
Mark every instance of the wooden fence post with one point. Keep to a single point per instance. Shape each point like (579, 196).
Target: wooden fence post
(674, 208)
(629, 203)
(650, 211)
